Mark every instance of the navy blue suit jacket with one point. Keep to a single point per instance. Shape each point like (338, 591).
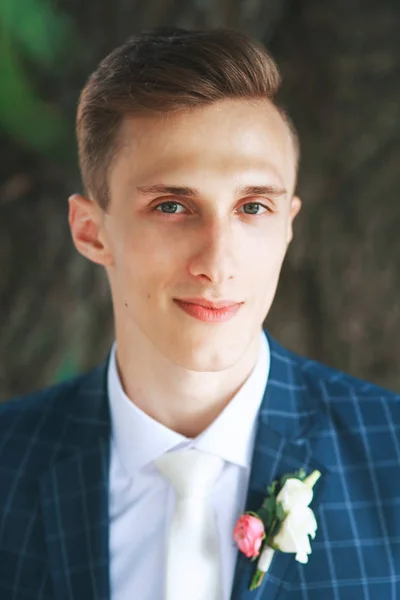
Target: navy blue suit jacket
(54, 458)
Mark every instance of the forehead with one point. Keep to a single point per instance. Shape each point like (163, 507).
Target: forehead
(226, 138)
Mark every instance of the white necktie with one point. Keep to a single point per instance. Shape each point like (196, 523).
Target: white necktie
(193, 567)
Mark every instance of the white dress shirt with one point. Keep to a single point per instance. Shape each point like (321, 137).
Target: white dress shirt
(141, 501)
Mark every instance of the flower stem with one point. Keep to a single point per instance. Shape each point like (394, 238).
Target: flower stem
(257, 579)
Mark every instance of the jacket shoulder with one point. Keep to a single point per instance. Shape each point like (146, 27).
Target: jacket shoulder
(336, 383)
(29, 407)
(38, 421)
(315, 375)
(352, 405)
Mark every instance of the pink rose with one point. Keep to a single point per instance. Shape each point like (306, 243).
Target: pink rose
(248, 534)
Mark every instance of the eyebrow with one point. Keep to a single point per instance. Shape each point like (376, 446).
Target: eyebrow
(247, 190)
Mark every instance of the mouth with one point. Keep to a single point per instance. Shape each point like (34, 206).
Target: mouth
(208, 311)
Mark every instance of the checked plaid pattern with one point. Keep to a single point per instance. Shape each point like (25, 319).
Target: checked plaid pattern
(54, 461)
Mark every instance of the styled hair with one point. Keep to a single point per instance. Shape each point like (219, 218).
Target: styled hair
(165, 69)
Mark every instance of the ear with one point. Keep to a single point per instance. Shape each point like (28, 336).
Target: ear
(295, 206)
(86, 222)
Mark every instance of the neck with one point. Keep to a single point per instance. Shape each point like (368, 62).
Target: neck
(183, 400)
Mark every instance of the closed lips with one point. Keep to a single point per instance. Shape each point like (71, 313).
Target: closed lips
(214, 305)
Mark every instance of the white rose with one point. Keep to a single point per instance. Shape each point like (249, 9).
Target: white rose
(299, 522)
(294, 493)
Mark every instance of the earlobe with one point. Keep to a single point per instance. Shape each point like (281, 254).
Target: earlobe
(86, 229)
(295, 207)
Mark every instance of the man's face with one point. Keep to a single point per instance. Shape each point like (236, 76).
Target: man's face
(201, 207)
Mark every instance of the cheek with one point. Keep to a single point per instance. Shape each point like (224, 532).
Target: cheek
(265, 257)
(145, 261)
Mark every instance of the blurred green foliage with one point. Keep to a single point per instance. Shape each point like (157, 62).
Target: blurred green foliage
(30, 30)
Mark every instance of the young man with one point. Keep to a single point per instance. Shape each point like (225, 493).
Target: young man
(189, 169)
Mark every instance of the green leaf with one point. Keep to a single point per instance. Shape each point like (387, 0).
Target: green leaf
(271, 488)
(271, 518)
(301, 474)
(264, 516)
(280, 513)
(274, 530)
(269, 504)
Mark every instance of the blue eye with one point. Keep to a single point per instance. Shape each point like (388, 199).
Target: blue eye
(170, 208)
(253, 208)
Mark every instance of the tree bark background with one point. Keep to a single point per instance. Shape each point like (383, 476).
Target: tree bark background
(338, 297)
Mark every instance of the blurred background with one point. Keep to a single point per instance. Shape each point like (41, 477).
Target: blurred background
(338, 298)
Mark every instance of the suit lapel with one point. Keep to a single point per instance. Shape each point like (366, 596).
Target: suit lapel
(74, 494)
(288, 416)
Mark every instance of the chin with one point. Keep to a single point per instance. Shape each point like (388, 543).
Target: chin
(211, 355)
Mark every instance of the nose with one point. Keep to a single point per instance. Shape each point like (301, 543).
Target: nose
(213, 260)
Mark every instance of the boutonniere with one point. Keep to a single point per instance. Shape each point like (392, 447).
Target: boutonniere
(283, 522)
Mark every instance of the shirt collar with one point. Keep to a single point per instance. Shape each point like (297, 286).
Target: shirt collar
(139, 439)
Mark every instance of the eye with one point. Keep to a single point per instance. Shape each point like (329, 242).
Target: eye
(254, 208)
(170, 208)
